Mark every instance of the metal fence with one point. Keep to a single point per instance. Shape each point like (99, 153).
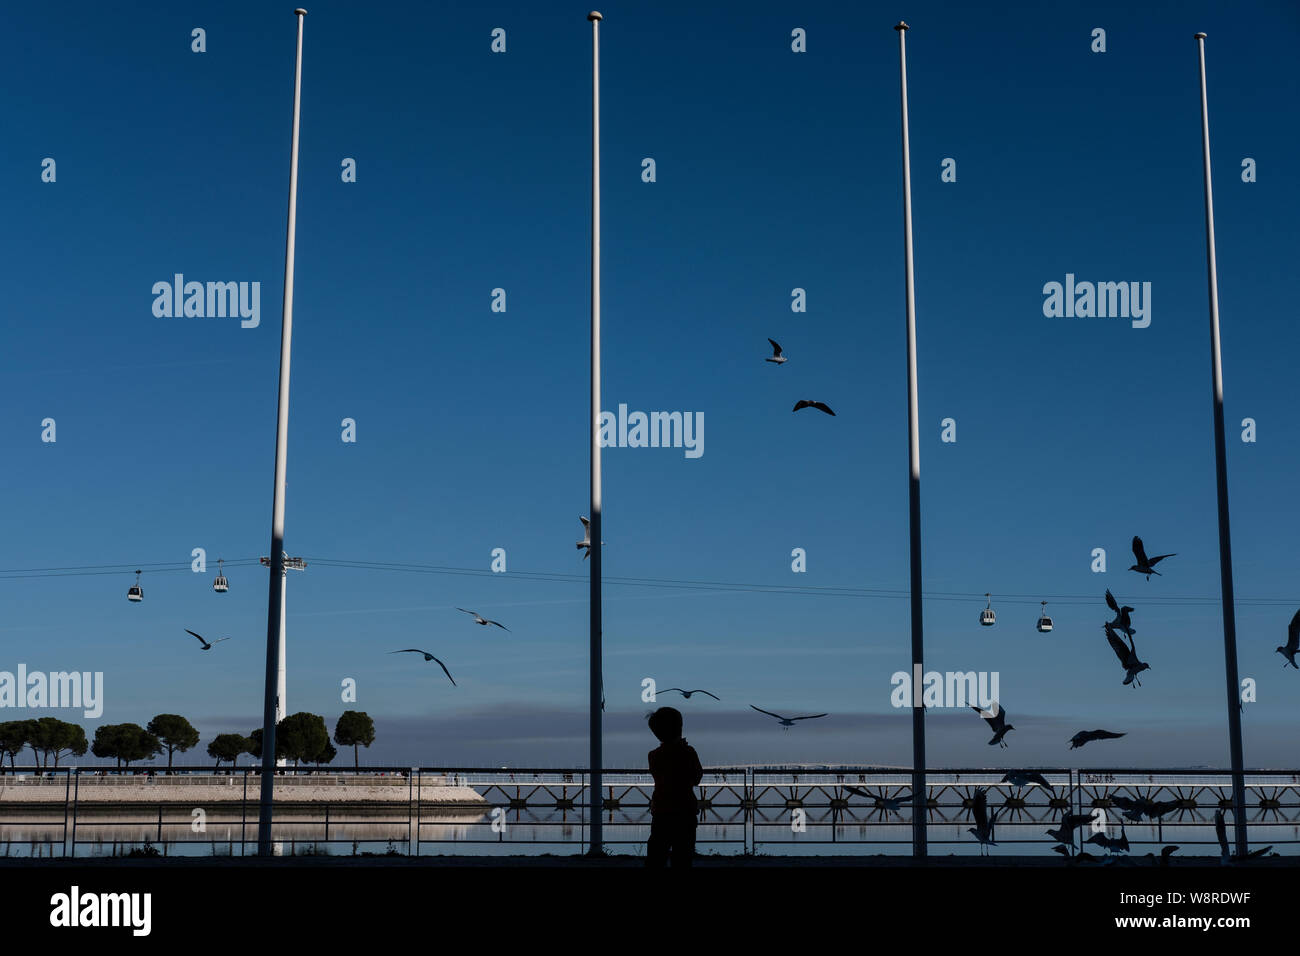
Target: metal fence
(778, 810)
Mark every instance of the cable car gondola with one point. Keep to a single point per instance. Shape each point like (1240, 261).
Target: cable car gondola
(987, 617)
(135, 593)
(219, 583)
(1044, 622)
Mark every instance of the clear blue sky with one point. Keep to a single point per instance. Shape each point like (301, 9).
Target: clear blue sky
(775, 170)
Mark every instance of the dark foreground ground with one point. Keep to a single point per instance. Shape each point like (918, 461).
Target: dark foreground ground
(753, 902)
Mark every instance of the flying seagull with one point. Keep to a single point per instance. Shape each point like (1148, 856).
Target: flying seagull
(1069, 823)
(478, 619)
(1084, 736)
(585, 544)
(427, 657)
(1144, 565)
(687, 693)
(206, 646)
(777, 358)
(997, 723)
(1127, 654)
(1114, 845)
(787, 722)
(820, 406)
(1292, 645)
(984, 821)
(1121, 622)
(1023, 778)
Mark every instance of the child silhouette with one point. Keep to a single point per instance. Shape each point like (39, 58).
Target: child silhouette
(676, 769)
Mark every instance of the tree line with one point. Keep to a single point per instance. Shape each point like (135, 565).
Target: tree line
(300, 737)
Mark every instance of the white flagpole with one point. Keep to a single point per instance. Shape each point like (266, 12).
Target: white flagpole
(274, 605)
(919, 803)
(1221, 477)
(597, 689)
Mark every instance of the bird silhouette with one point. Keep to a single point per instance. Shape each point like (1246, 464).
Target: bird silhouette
(1121, 622)
(777, 358)
(1292, 645)
(820, 406)
(983, 830)
(479, 619)
(787, 722)
(1127, 654)
(1085, 736)
(1113, 844)
(1069, 823)
(206, 646)
(1023, 778)
(1144, 565)
(687, 693)
(427, 657)
(997, 723)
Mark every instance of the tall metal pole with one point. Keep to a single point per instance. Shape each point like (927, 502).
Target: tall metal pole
(919, 811)
(597, 684)
(1221, 477)
(274, 606)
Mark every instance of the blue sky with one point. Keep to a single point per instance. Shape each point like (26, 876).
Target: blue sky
(775, 171)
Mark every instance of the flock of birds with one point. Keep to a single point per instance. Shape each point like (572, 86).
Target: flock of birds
(984, 830)
(1133, 810)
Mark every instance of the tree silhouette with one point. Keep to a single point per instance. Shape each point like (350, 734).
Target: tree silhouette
(124, 743)
(174, 732)
(14, 735)
(354, 728)
(304, 736)
(228, 747)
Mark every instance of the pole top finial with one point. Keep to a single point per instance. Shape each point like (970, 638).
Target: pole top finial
(595, 15)
(300, 12)
(1200, 36)
(902, 25)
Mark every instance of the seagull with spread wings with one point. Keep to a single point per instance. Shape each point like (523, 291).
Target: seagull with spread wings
(206, 646)
(1085, 736)
(585, 544)
(427, 657)
(1127, 654)
(1023, 778)
(787, 722)
(997, 721)
(777, 358)
(479, 619)
(687, 693)
(1144, 564)
(820, 406)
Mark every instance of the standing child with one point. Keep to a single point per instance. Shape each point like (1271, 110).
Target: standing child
(675, 766)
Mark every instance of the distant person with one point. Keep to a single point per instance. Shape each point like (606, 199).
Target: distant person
(675, 766)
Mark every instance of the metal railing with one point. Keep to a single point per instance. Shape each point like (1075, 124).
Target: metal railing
(415, 811)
